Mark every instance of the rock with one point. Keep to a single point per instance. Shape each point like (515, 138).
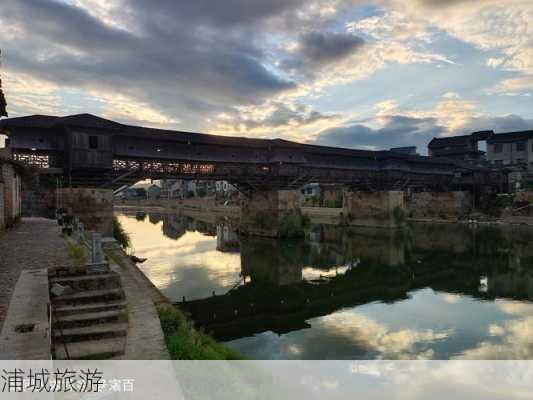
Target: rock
(59, 290)
(138, 260)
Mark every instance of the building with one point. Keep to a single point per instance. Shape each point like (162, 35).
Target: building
(153, 191)
(409, 150)
(311, 190)
(133, 194)
(511, 149)
(460, 148)
(10, 187)
(225, 189)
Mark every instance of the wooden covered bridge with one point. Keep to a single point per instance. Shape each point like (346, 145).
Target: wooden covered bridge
(88, 151)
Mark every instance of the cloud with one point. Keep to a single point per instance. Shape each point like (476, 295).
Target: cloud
(252, 66)
(507, 123)
(506, 27)
(171, 61)
(400, 126)
(514, 86)
(398, 131)
(270, 119)
(318, 48)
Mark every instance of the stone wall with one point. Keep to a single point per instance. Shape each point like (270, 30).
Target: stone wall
(384, 208)
(94, 207)
(524, 196)
(439, 205)
(38, 202)
(2, 223)
(11, 193)
(262, 213)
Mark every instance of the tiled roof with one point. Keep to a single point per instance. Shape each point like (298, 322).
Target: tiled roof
(31, 121)
(511, 137)
(450, 141)
(115, 128)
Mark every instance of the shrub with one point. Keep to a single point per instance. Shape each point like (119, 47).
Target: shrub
(294, 225)
(78, 254)
(184, 342)
(120, 235)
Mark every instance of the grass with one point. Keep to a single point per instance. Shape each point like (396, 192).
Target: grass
(184, 342)
(77, 253)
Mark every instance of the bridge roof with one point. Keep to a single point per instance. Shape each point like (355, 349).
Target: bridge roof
(280, 146)
(118, 129)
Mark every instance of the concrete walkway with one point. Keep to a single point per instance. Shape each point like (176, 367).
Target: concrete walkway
(145, 340)
(36, 243)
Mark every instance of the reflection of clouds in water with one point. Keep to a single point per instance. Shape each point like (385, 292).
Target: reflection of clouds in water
(515, 337)
(190, 262)
(312, 273)
(397, 344)
(451, 298)
(449, 379)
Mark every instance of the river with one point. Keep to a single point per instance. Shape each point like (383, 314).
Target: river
(425, 292)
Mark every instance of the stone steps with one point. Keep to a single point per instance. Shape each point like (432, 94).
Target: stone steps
(91, 349)
(90, 318)
(90, 296)
(88, 281)
(92, 332)
(91, 307)
(77, 278)
(92, 321)
(67, 271)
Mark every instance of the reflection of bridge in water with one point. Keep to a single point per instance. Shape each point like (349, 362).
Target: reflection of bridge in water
(281, 288)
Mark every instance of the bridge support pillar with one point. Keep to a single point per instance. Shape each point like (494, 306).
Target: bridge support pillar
(93, 207)
(272, 213)
(379, 209)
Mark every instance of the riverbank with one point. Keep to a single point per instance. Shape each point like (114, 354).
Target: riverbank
(208, 212)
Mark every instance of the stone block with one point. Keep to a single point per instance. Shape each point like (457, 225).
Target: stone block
(93, 207)
(262, 213)
(439, 205)
(379, 209)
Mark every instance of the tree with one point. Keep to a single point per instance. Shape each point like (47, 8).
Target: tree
(3, 103)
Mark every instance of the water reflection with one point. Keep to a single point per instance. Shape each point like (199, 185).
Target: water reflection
(427, 292)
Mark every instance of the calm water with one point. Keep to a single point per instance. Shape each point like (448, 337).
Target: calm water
(427, 292)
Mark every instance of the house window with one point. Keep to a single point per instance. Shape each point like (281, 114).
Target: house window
(520, 146)
(93, 142)
(498, 147)
(498, 162)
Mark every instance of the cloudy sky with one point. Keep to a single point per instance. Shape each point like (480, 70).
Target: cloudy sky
(353, 73)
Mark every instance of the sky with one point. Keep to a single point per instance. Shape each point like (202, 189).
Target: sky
(351, 73)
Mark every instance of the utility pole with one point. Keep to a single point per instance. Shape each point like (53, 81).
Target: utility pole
(3, 103)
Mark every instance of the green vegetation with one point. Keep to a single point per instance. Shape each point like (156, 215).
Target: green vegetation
(120, 235)
(494, 205)
(399, 215)
(294, 225)
(184, 342)
(336, 202)
(77, 253)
